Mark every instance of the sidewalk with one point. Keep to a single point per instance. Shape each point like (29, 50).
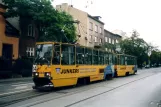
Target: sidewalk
(15, 79)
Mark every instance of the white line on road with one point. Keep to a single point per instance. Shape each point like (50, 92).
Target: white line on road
(23, 84)
(21, 87)
(15, 92)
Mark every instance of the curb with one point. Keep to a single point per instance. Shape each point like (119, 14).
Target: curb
(16, 79)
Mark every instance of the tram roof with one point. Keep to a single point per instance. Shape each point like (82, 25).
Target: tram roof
(73, 45)
(127, 55)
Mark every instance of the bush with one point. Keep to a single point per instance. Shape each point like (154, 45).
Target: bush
(5, 68)
(23, 67)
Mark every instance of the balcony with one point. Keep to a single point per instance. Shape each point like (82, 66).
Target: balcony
(97, 45)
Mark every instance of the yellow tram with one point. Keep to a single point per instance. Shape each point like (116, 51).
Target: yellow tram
(62, 64)
(126, 64)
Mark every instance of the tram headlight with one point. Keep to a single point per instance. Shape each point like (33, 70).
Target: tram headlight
(36, 74)
(48, 74)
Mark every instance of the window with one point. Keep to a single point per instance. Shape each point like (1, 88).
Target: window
(30, 51)
(80, 55)
(109, 40)
(95, 57)
(113, 41)
(31, 31)
(90, 38)
(88, 56)
(106, 58)
(106, 49)
(100, 30)
(95, 39)
(56, 54)
(68, 54)
(122, 60)
(106, 39)
(110, 59)
(91, 26)
(101, 58)
(43, 54)
(96, 28)
(116, 41)
(100, 40)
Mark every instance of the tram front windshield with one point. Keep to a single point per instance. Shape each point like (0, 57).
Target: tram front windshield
(43, 54)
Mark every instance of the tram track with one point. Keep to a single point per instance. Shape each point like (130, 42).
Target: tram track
(76, 92)
(106, 91)
(14, 98)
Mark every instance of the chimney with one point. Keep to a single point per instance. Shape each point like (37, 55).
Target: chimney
(71, 5)
(97, 17)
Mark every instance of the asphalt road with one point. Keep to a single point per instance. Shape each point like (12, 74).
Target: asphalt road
(141, 90)
(13, 86)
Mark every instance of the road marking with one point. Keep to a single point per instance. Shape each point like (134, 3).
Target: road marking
(15, 92)
(21, 87)
(23, 84)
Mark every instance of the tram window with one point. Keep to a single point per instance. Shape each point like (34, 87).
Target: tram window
(110, 59)
(80, 55)
(95, 57)
(101, 58)
(118, 59)
(135, 61)
(114, 59)
(88, 56)
(106, 58)
(132, 61)
(126, 60)
(68, 54)
(56, 56)
(122, 60)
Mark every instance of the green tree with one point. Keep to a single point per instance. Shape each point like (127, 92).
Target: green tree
(135, 46)
(48, 21)
(155, 57)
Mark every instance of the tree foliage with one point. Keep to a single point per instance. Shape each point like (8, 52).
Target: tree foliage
(155, 57)
(136, 46)
(48, 21)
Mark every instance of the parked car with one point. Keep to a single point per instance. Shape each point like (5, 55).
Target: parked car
(147, 66)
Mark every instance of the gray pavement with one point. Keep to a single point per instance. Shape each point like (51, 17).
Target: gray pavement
(141, 90)
(11, 80)
(15, 85)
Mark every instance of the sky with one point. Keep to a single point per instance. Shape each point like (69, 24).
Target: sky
(126, 15)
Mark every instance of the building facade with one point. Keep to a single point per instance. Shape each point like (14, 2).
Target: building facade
(28, 38)
(22, 44)
(95, 32)
(9, 41)
(111, 40)
(89, 30)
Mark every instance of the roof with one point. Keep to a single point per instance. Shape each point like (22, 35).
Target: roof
(11, 30)
(127, 55)
(3, 6)
(93, 17)
(112, 33)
